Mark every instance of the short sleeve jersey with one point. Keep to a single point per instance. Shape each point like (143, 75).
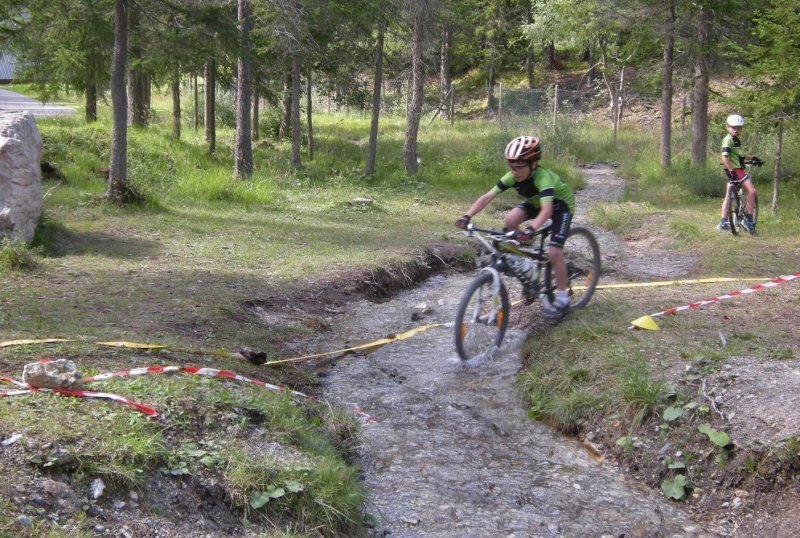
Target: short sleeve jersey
(732, 149)
(541, 186)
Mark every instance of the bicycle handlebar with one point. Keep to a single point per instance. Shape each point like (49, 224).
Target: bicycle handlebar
(494, 233)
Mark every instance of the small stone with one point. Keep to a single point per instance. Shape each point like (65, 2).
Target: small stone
(742, 493)
(13, 439)
(25, 521)
(98, 486)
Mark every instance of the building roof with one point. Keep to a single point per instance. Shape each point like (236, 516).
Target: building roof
(7, 63)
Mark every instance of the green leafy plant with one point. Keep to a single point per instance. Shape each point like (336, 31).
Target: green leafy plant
(672, 413)
(675, 488)
(260, 498)
(672, 464)
(721, 439)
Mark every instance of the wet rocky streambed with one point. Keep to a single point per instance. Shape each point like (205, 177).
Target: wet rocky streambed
(453, 453)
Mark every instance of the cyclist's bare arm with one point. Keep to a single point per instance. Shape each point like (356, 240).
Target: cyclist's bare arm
(545, 213)
(480, 203)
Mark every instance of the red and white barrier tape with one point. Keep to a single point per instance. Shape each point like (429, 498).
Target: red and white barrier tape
(214, 372)
(149, 411)
(208, 372)
(766, 285)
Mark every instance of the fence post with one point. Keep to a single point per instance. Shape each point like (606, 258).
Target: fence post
(452, 102)
(683, 111)
(555, 108)
(500, 107)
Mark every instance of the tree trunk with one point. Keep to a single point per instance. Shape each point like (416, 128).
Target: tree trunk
(243, 148)
(444, 65)
(551, 56)
(529, 49)
(776, 170)
(666, 87)
(491, 102)
(176, 104)
(591, 68)
(136, 93)
(620, 102)
(91, 101)
(296, 133)
(700, 90)
(372, 148)
(256, 99)
(147, 85)
(196, 96)
(417, 89)
(283, 127)
(118, 167)
(309, 115)
(210, 105)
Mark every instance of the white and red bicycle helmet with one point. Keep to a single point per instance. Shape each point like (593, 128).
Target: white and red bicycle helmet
(735, 120)
(523, 148)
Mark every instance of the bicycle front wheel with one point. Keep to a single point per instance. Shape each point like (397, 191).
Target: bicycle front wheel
(736, 207)
(582, 256)
(482, 318)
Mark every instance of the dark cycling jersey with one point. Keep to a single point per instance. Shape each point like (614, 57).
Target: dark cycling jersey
(732, 149)
(541, 186)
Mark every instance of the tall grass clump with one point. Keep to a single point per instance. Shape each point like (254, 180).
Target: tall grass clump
(15, 255)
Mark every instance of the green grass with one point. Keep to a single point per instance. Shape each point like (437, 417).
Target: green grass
(181, 267)
(624, 375)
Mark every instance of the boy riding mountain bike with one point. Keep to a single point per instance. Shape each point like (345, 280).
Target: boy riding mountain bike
(546, 197)
(733, 159)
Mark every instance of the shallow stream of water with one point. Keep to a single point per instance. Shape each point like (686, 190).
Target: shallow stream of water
(453, 452)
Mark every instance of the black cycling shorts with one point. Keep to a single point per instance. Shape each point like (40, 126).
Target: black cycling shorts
(561, 217)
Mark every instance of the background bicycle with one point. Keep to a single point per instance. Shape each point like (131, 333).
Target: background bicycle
(737, 200)
(482, 316)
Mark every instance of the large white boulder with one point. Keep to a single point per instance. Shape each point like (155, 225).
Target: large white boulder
(20, 176)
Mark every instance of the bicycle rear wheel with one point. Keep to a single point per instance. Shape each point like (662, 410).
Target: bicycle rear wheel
(736, 207)
(482, 318)
(582, 255)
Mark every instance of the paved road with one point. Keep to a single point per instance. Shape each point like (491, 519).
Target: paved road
(12, 101)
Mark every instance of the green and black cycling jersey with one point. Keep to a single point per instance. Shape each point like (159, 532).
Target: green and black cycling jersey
(541, 186)
(732, 149)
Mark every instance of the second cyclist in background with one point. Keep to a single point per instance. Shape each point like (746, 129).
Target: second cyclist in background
(546, 197)
(733, 158)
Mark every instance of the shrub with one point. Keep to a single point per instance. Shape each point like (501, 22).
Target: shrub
(16, 255)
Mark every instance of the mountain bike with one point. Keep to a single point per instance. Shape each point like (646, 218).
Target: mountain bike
(737, 199)
(482, 316)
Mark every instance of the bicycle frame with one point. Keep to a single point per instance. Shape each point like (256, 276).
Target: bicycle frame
(500, 245)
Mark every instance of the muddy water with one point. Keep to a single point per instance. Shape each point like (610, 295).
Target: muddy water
(453, 453)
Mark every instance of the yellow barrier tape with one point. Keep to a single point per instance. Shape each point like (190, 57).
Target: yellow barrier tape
(370, 345)
(137, 345)
(10, 343)
(131, 345)
(677, 282)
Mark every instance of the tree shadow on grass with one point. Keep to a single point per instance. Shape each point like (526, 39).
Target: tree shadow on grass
(56, 240)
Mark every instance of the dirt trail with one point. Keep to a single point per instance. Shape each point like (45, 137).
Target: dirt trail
(453, 452)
